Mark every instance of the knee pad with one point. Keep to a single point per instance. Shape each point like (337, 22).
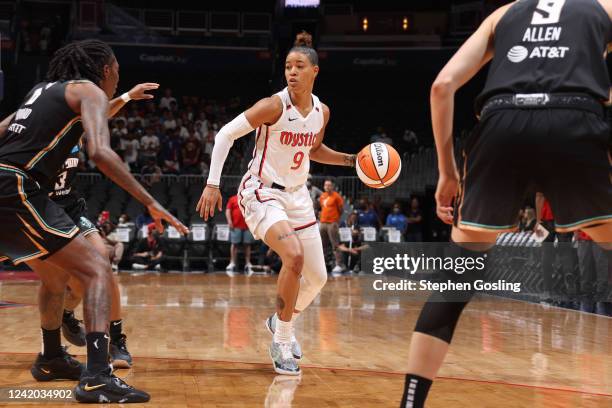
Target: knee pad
(438, 319)
(442, 311)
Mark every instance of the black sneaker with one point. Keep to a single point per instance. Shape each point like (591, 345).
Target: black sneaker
(119, 354)
(73, 330)
(62, 367)
(105, 387)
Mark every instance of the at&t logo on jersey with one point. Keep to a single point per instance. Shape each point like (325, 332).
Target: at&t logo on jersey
(518, 53)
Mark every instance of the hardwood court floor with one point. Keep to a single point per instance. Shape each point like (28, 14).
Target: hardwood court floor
(200, 341)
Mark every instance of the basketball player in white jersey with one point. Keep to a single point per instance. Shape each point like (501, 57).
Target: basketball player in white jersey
(273, 196)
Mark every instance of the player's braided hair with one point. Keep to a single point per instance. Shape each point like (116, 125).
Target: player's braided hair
(80, 60)
(303, 45)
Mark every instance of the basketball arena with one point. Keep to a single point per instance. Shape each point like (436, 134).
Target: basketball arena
(261, 222)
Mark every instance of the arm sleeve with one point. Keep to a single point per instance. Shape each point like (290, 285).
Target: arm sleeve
(224, 140)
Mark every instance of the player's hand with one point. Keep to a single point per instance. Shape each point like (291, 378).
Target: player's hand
(139, 92)
(211, 198)
(448, 186)
(159, 214)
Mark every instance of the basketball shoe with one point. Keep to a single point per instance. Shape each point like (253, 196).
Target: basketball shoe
(62, 367)
(282, 359)
(106, 387)
(119, 354)
(73, 329)
(296, 349)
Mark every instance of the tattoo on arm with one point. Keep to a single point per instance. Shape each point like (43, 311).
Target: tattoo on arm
(349, 160)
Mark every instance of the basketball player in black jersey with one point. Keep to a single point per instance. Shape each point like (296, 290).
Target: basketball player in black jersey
(82, 77)
(544, 95)
(68, 198)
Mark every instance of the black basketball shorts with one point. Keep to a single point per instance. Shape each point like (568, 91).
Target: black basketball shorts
(31, 225)
(512, 153)
(77, 211)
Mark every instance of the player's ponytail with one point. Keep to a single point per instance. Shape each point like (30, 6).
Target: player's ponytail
(303, 45)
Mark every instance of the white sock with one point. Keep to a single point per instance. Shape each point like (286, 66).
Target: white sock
(294, 317)
(282, 334)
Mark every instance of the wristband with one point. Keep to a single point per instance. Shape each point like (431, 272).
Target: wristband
(125, 97)
(212, 186)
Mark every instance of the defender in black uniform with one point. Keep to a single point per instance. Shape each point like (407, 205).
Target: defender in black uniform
(39, 138)
(68, 198)
(542, 128)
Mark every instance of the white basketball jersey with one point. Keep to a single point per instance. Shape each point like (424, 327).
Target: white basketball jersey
(282, 150)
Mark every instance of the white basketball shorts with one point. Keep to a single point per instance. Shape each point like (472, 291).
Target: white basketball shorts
(263, 207)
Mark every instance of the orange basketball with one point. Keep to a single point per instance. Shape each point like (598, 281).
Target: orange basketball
(378, 165)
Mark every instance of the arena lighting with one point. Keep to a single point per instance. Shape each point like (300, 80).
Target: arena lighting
(364, 24)
(302, 3)
(405, 24)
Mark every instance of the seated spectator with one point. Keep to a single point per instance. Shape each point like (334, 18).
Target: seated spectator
(103, 217)
(124, 221)
(239, 234)
(164, 102)
(352, 251)
(528, 221)
(171, 153)
(151, 172)
(143, 219)
(191, 156)
(113, 246)
(183, 132)
(149, 145)
(397, 220)
(410, 141)
(381, 136)
(367, 217)
(414, 231)
(130, 146)
(149, 252)
(169, 122)
(352, 221)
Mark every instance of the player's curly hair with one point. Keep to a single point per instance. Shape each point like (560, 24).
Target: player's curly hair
(303, 45)
(80, 60)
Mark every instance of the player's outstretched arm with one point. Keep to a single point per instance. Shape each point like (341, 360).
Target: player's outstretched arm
(267, 110)
(93, 104)
(467, 61)
(137, 93)
(323, 154)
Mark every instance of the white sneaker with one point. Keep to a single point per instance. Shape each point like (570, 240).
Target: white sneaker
(115, 267)
(248, 269)
(230, 270)
(139, 267)
(337, 271)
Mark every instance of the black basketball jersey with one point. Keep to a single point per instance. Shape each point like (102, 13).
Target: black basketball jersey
(550, 46)
(63, 191)
(42, 133)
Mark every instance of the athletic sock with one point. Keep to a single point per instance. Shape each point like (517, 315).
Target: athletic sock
(415, 391)
(282, 334)
(115, 330)
(52, 343)
(97, 352)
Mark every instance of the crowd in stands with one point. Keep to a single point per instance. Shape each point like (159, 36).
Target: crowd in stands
(171, 136)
